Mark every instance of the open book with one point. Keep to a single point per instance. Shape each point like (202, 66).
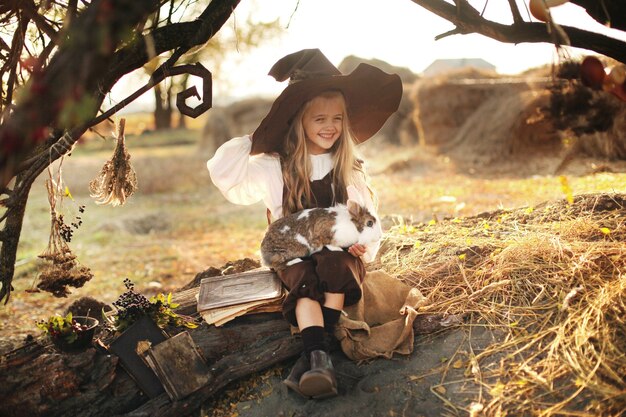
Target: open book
(223, 298)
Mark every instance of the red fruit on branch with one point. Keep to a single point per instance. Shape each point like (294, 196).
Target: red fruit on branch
(592, 72)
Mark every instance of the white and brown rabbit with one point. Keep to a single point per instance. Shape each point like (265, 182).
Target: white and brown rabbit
(303, 233)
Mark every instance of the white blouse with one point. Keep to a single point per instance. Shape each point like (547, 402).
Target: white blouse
(245, 179)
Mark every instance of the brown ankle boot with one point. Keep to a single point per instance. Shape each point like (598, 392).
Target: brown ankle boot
(320, 381)
(293, 379)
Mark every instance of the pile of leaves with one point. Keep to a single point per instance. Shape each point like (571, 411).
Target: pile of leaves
(550, 281)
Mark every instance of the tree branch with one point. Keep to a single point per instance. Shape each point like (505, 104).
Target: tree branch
(99, 71)
(517, 17)
(169, 37)
(21, 137)
(524, 31)
(30, 10)
(13, 61)
(606, 12)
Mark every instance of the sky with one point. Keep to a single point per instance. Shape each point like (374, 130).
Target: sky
(396, 31)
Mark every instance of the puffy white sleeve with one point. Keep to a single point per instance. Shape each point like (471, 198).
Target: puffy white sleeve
(244, 179)
(366, 198)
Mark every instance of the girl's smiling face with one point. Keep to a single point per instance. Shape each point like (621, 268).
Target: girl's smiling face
(322, 123)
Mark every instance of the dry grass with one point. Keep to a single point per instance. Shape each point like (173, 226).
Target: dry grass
(551, 281)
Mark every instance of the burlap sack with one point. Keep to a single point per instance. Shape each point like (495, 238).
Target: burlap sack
(381, 323)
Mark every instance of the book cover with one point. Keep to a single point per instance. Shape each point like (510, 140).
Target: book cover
(179, 365)
(128, 347)
(235, 289)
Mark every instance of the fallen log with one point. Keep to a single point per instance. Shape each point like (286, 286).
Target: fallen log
(36, 380)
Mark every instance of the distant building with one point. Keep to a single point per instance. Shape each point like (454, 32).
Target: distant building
(440, 66)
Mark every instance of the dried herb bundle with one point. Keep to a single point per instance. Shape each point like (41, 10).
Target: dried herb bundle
(117, 179)
(64, 269)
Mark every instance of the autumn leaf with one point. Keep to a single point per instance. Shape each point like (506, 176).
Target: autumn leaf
(497, 389)
(67, 193)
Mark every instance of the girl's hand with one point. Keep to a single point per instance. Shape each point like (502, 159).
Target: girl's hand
(357, 250)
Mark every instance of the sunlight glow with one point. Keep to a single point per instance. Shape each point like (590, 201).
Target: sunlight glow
(396, 31)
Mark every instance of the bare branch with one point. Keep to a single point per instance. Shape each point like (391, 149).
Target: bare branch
(181, 37)
(606, 12)
(159, 75)
(99, 72)
(455, 31)
(13, 61)
(517, 17)
(471, 22)
(30, 11)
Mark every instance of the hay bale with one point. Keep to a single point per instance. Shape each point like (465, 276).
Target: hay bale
(245, 116)
(215, 131)
(443, 103)
(237, 119)
(399, 129)
(506, 125)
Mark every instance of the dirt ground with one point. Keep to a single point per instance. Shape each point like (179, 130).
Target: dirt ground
(410, 386)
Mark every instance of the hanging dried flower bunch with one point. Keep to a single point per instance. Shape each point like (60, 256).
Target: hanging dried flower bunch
(117, 179)
(64, 270)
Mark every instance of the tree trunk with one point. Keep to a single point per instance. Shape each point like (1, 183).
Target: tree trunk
(35, 380)
(162, 109)
(182, 121)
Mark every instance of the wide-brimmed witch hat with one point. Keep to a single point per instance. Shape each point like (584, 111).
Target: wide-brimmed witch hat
(371, 95)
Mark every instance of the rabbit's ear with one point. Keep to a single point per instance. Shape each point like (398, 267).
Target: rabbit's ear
(354, 208)
(354, 195)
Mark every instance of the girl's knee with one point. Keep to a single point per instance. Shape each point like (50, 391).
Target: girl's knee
(334, 300)
(306, 301)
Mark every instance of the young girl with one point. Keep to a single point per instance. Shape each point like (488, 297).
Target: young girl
(301, 156)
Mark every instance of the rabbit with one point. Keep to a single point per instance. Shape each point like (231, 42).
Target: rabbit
(301, 234)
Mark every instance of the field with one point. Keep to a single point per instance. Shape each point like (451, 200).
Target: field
(178, 224)
(488, 240)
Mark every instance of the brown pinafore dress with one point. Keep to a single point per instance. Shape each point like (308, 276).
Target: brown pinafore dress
(324, 271)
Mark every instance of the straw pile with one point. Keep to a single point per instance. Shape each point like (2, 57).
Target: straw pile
(442, 104)
(482, 115)
(551, 280)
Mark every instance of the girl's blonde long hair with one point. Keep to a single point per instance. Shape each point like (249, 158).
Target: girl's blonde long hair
(296, 164)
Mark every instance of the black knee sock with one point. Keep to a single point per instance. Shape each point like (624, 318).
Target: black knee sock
(313, 339)
(331, 317)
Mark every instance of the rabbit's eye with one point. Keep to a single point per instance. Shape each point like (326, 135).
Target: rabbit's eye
(370, 223)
